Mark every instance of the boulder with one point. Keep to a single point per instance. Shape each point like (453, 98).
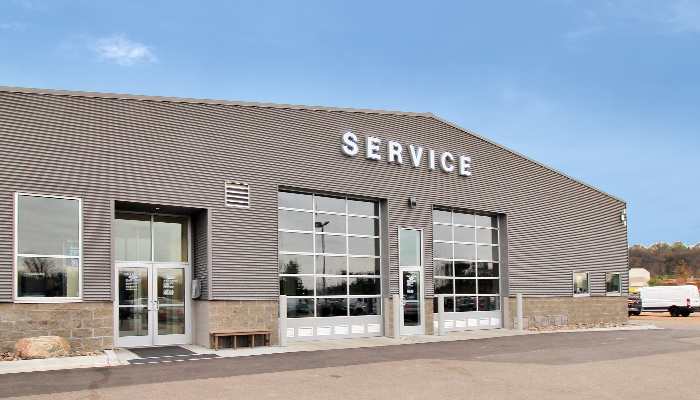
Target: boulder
(42, 347)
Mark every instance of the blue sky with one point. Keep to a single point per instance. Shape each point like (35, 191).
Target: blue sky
(607, 92)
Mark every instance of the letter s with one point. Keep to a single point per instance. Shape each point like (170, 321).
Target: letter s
(350, 147)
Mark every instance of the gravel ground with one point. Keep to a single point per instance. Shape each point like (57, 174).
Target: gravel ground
(579, 326)
(11, 356)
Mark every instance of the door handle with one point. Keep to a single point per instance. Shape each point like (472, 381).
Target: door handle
(157, 303)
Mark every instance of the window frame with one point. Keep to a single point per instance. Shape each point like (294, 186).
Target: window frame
(15, 247)
(475, 260)
(314, 211)
(619, 284)
(588, 284)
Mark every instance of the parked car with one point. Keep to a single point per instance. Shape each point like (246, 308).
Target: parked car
(677, 300)
(634, 304)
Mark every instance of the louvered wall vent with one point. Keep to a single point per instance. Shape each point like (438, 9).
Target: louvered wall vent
(237, 194)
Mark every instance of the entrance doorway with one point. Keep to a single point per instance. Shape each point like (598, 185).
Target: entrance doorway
(152, 304)
(411, 281)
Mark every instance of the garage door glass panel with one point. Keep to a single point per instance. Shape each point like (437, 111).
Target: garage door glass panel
(296, 264)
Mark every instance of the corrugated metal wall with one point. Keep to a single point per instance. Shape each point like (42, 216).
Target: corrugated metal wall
(181, 153)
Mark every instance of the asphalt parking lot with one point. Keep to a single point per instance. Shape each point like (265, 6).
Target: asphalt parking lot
(659, 363)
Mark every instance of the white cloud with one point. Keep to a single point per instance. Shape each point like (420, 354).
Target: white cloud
(32, 5)
(686, 16)
(14, 26)
(120, 50)
(669, 16)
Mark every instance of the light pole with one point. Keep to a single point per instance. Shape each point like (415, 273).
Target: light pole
(322, 225)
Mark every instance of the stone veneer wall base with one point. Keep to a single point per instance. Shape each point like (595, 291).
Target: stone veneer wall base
(580, 310)
(85, 326)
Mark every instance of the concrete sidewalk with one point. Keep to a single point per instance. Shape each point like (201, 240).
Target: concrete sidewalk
(123, 356)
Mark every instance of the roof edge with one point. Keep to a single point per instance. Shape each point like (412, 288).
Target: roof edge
(71, 93)
(525, 157)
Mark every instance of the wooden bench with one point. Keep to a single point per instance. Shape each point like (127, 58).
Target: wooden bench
(242, 332)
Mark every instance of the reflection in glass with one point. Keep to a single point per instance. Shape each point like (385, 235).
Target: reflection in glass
(363, 207)
(465, 269)
(487, 236)
(411, 285)
(332, 307)
(464, 304)
(48, 226)
(612, 283)
(331, 265)
(442, 232)
(443, 286)
(331, 286)
(295, 200)
(330, 223)
(133, 321)
(488, 286)
(442, 268)
(364, 266)
(487, 221)
(292, 241)
(132, 237)
(449, 304)
(300, 308)
(296, 264)
(48, 277)
(442, 250)
(487, 253)
(170, 239)
(409, 247)
(463, 219)
(442, 216)
(297, 285)
(364, 286)
(296, 220)
(465, 286)
(366, 306)
(171, 301)
(363, 226)
(363, 246)
(489, 303)
(133, 286)
(332, 204)
(464, 251)
(331, 244)
(486, 269)
(464, 234)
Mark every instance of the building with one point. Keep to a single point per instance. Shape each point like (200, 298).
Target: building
(138, 221)
(638, 277)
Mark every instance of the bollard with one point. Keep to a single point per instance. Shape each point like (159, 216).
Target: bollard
(519, 311)
(283, 321)
(397, 316)
(441, 315)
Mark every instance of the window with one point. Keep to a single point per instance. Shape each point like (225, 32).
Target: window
(612, 284)
(466, 261)
(581, 284)
(48, 248)
(328, 255)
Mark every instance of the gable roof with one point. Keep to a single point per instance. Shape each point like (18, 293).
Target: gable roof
(286, 106)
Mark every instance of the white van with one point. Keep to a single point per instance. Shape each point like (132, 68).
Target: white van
(677, 300)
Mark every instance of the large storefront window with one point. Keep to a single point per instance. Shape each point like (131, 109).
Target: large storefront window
(329, 255)
(48, 247)
(466, 261)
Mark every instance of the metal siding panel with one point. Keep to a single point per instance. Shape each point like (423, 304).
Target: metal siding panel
(181, 153)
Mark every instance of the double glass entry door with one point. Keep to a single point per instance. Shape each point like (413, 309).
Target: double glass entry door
(152, 304)
(152, 255)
